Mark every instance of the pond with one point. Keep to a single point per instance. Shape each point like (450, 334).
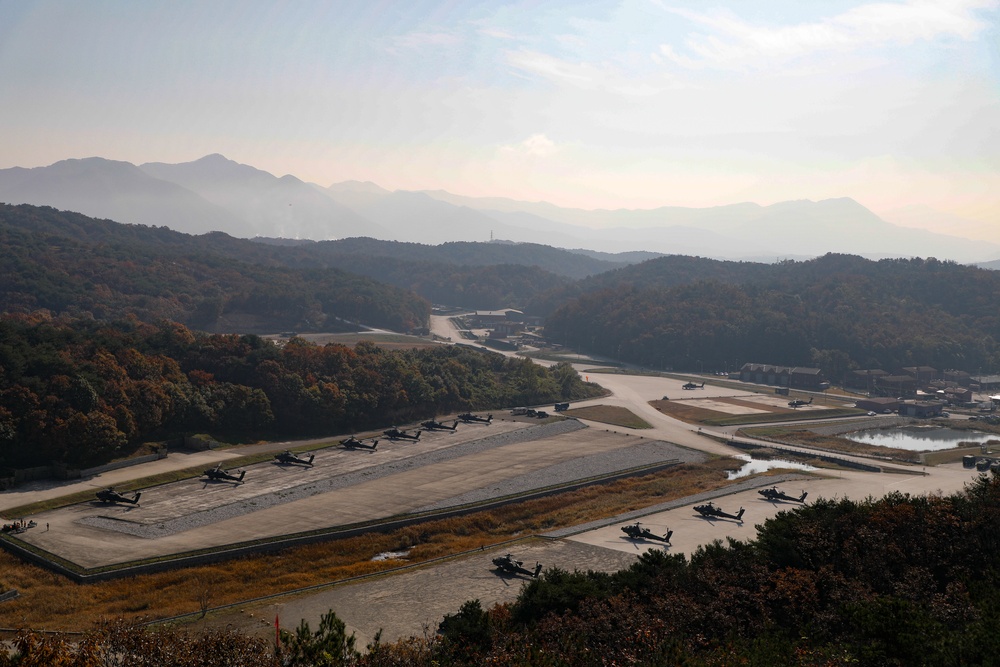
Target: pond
(754, 466)
(920, 438)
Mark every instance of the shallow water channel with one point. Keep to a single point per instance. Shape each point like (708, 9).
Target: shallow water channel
(920, 438)
(754, 466)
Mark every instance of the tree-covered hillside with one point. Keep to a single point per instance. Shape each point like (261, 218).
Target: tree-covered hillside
(66, 263)
(560, 262)
(837, 312)
(83, 392)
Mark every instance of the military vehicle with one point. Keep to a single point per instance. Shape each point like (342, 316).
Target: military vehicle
(217, 474)
(635, 531)
(468, 417)
(397, 434)
(288, 458)
(710, 511)
(773, 494)
(109, 495)
(432, 425)
(508, 565)
(798, 402)
(354, 443)
(18, 526)
(692, 385)
(561, 407)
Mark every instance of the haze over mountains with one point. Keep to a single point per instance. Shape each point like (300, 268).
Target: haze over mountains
(217, 194)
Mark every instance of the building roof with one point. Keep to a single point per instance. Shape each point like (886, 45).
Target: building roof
(497, 313)
(771, 368)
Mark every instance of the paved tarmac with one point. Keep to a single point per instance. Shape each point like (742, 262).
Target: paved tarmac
(343, 487)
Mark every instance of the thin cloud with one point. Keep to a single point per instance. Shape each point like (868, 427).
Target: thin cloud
(498, 34)
(584, 75)
(734, 43)
(425, 40)
(537, 145)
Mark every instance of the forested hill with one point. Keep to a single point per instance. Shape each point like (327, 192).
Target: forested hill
(479, 276)
(563, 263)
(83, 392)
(835, 312)
(67, 263)
(472, 275)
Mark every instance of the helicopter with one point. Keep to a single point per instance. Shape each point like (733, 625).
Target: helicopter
(217, 474)
(508, 565)
(432, 425)
(287, 457)
(396, 434)
(773, 494)
(798, 402)
(468, 417)
(710, 511)
(354, 443)
(109, 495)
(692, 385)
(636, 532)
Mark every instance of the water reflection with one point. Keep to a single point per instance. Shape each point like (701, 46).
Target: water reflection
(754, 466)
(920, 438)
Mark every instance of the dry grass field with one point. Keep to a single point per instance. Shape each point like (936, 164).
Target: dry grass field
(696, 413)
(609, 414)
(48, 601)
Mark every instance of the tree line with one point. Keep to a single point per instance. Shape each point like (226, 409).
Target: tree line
(83, 392)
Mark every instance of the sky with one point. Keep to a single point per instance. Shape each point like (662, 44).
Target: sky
(632, 104)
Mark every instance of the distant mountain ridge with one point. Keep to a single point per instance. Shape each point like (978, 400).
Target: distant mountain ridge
(217, 194)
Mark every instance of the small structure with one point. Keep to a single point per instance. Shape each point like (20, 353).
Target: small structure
(866, 379)
(896, 385)
(796, 377)
(922, 374)
(920, 409)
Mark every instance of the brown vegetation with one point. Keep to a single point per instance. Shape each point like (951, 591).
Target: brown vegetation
(609, 414)
(694, 414)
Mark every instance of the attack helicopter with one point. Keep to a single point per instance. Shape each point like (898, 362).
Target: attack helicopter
(287, 457)
(432, 425)
(217, 474)
(798, 402)
(354, 443)
(710, 511)
(109, 495)
(468, 417)
(508, 565)
(692, 385)
(635, 531)
(773, 494)
(397, 434)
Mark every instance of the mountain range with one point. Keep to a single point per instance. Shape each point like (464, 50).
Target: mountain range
(218, 194)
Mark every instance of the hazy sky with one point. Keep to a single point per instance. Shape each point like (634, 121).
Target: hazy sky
(628, 104)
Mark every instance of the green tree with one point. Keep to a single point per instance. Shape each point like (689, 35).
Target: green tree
(329, 646)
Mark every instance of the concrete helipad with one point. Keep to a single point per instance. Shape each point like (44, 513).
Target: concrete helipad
(691, 530)
(343, 487)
